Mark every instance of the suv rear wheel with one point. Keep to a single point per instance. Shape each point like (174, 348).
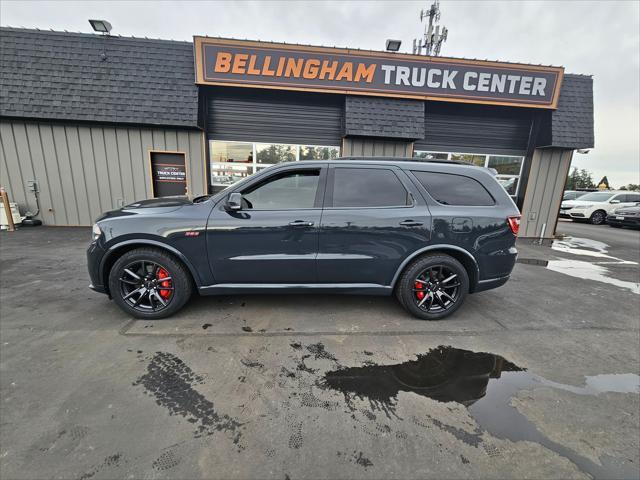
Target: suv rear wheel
(149, 283)
(433, 286)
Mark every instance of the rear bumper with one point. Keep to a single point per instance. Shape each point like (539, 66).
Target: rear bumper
(490, 283)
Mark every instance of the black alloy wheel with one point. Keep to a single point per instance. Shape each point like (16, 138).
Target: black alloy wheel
(147, 286)
(433, 286)
(149, 283)
(598, 217)
(436, 289)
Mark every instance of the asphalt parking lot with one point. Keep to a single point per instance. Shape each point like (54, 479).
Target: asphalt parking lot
(323, 386)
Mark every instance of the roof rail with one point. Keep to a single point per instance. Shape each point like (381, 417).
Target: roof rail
(405, 159)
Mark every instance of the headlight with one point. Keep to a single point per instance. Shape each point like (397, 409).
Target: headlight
(581, 207)
(96, 232)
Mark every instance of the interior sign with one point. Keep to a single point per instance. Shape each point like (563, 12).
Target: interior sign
(292, 67)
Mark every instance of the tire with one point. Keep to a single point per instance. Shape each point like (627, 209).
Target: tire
(156, 262)
(438, 265)
(598, 217)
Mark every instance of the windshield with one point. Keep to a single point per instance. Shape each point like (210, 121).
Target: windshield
(596, 197)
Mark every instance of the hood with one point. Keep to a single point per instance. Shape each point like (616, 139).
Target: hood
(161, 202)
(152, 206)
(573, 203)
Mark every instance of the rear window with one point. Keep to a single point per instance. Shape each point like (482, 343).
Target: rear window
(451, 189)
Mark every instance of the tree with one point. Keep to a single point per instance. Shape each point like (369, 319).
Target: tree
(578, 179)
(632, 187)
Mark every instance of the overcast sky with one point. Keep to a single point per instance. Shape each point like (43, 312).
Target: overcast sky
(598, 38)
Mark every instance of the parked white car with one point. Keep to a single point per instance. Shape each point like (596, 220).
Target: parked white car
(595, 206)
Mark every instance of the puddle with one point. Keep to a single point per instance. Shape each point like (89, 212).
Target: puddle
(588, 248)
(590, 271)
(485, 383)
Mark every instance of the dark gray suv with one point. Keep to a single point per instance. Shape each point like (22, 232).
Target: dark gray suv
(430, 232)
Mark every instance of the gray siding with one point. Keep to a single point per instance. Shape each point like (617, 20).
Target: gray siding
(547, 177)
(84, 170)
(369, 147)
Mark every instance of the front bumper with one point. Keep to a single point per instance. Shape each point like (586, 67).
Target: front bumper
(564, 213)
(576, 215)
(95, 253)
(625, 222)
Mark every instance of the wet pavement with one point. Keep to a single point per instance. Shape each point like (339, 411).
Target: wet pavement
(537, 379)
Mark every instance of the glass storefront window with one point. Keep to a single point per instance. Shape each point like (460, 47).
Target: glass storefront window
(230, 162)
(310, 152)
(430, 155)
(270, 153)
(222, 152)
(510, 184)
(505, 165)
(478, 160)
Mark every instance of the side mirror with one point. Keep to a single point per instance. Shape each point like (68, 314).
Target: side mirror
(234, 201)
(614, 201)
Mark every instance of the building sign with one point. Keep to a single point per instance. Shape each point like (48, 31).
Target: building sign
(168, 173)
(321, 69)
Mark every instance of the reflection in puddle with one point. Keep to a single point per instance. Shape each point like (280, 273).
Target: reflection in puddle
(485, 384)
(590, 271)
(581, 246)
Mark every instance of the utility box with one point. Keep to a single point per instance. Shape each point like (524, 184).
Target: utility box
(15, 213)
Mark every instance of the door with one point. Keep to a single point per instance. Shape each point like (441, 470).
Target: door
(373, 219)
(274, 237)
(168, 173)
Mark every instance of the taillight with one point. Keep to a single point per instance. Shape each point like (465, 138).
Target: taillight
(514, 223)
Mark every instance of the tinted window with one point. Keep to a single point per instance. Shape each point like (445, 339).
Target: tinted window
(633, 197)
(367, 187)
(285, 191)
(450, 189)
(596, 197)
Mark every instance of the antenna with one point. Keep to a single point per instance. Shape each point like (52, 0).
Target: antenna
(434, 36)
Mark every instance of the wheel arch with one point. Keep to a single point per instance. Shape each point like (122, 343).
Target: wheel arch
(463, 256)
(116, 251)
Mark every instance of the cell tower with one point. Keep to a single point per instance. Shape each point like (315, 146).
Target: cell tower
(433, 37)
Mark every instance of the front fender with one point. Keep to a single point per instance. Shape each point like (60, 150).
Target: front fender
(114, 249)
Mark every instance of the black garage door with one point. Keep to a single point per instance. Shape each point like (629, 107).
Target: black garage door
(475, 129)
(244, 114)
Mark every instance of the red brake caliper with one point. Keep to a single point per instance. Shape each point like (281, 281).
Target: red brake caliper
(164, 293)
(420, 294)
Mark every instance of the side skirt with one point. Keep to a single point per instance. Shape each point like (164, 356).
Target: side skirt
(350, 288)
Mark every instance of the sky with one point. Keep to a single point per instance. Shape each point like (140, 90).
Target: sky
(597, 38)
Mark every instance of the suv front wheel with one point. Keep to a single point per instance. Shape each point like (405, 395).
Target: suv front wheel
(433, 286)
(149, 283)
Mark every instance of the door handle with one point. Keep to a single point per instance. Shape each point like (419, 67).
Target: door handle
(411, 223)
(300, 223)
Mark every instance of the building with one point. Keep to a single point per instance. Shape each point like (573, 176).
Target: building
(100, 121)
